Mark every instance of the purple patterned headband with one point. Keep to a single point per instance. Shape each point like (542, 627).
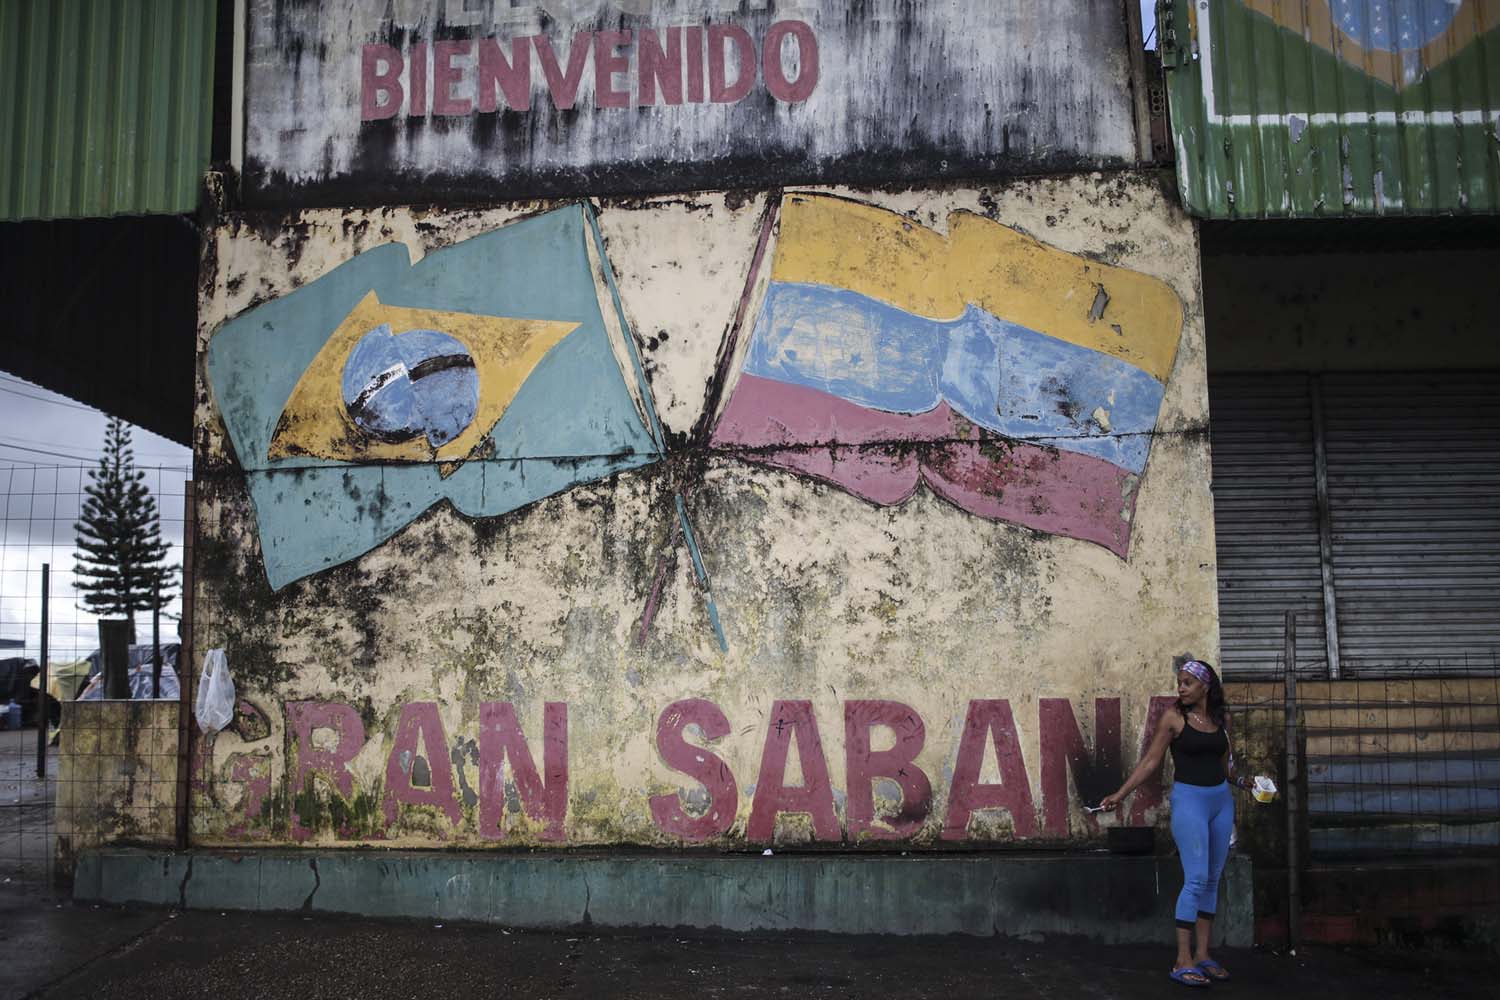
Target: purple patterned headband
(1198, 670)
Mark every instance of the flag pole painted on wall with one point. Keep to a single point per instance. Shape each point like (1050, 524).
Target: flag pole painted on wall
(708, 594)
(655, 424)
(700, 435)
(592, 215)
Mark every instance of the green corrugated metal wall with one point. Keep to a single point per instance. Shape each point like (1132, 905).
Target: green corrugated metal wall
(106, 106)
(1334, 108)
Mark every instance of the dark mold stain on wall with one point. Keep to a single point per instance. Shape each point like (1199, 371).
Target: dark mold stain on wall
(903, 94)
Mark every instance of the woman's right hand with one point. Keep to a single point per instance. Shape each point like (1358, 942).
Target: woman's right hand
(1111, 802)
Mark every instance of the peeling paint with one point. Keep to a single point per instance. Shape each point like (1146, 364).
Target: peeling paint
(349, 102)
(1362, 107)
(828, 600)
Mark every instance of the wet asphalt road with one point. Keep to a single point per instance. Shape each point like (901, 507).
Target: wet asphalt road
(55, 949)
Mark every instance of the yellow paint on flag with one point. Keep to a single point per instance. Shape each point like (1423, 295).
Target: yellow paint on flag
(843, 244)
(315, 422)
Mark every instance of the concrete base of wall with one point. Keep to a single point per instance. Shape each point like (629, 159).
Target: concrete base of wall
(1103, 897)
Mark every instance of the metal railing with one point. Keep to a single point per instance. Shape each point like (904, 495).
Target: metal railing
(1400, 770)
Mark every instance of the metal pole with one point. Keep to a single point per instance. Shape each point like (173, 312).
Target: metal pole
(114, 653)
(43, 712)
(1325, 528)
(1293, 805)
(156, 642)
(185, 725)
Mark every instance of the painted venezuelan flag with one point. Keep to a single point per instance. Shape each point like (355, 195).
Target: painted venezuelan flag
(1020, 382)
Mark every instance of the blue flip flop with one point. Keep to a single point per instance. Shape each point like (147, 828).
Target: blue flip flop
(1181, 976)
(1213, 970)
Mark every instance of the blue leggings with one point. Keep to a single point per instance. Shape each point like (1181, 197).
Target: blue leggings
(1202, 819)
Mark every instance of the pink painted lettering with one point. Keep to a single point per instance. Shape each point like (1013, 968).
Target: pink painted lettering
(896, 763)
(304, 718)
(772, 795)
(380, 82)
(545, 801)
(445, 75)
(608, 63)
(416, 72)
(1149, 795)
(419, 729)
(673, 65)
(252, 772)
(659, 67)
(989, 722)
(1063, 750)
(512, 76)
(698, 763)
(774, 70)
(694, 50)
(563, 85)
(720, 89)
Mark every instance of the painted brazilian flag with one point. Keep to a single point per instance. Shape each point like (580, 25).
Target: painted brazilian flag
(484, 376)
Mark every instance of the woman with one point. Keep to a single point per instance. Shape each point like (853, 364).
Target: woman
(1196, 729)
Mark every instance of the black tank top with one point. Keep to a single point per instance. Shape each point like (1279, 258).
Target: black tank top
(1198, 756)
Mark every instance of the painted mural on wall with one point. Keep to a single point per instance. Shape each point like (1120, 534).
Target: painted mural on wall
(358, 402)
(437, 100)
(1018, 382)
(979, 363)
(520, 788)
(464, 478)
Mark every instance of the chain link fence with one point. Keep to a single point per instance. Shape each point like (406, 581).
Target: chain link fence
(49, 643)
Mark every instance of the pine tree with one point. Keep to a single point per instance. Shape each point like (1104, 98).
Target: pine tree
(120, 567)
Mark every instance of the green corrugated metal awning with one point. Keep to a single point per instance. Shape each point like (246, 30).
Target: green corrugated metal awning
(106, 106)
(1329, 108)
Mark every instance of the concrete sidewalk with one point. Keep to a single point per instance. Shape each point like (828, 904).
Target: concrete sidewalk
(44, 936)
(26, 808)
(65, 950)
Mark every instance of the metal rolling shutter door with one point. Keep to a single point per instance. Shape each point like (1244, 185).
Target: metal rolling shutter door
(1266, 521)
(1414, 495)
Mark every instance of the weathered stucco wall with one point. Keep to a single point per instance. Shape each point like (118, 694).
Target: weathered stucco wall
(351, 102)
(116, 775)
(962, 665)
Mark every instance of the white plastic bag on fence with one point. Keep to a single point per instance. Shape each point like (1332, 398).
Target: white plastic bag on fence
(214, 707)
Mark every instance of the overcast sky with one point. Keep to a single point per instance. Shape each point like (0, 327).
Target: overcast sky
(48, 443)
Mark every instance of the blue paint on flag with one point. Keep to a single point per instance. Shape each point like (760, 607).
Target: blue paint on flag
(1394, 25)
(391, 397)
(1002, 376)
